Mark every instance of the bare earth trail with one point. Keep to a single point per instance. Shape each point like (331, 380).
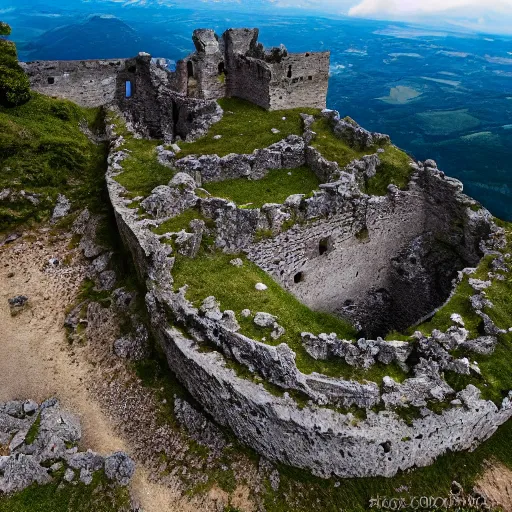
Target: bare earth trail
(36, 360)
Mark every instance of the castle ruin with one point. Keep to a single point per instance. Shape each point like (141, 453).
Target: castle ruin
(168, 104)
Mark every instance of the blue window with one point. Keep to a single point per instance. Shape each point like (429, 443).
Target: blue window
(128, 89)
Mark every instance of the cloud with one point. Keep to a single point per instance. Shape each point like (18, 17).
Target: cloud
(418, 8)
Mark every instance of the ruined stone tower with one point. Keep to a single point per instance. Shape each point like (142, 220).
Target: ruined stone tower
(236, 65)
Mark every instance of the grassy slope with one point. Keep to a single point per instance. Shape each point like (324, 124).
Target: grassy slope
(42, 150)
(234, 287)
(275, 187)
(246, 127)
(100, 496)
(300, 491)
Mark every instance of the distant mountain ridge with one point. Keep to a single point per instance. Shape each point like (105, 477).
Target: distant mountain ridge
(98, 37)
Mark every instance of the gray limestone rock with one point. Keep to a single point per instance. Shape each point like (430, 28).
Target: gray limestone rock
(120, 468)
(18, 302)
(69, 475)
(200, 428)
(172, 199)
(133, 346)
(229, 322)
(262, 319)
(85, 476)
(123, 299)
(61, 209)
(210, 308)
(100, 263)
(484, 345)
(20, 471)
(107, 280)
(277, 332)
(88, 460)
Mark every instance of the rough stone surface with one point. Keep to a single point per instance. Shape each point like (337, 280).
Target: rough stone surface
(26, 464)
(61, 209)
(119, 467)
(200, 428)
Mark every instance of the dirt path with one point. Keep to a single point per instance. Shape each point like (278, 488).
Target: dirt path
(36, 360)
(496, 484)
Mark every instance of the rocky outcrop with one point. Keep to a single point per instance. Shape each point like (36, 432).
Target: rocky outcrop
(41, 441)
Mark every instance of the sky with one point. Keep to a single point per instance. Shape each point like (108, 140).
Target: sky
(491, 16)
(485, 16)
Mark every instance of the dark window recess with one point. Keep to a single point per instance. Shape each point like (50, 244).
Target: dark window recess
(128, 89)
(310, 77)
(289, 72)
(323, 245)
(222, 68)
(132, 69)
(51, 80)
(190, 68)
(298, 277)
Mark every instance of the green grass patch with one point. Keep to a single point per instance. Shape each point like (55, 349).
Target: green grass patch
(43, 151)
(496, 378)
(141, 170)
(234, 287)
(394, 169)
(332, 148)
(181, 221)
(33, 431)
(394, 166)
(59, 496)
(246, 127)
(275, 187)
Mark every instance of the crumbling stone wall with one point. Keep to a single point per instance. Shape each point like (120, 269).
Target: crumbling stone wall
(382, 262)
(232, 65)
(249, 79)
(236, 65)
(90, 83)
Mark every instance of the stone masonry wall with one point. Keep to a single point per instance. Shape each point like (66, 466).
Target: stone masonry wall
(300, 79)
(249, 79)
(90, 83)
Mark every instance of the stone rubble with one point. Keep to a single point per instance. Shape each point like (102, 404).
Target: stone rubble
(54, 434)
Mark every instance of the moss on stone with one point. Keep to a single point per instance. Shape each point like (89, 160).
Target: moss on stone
(332, 148)
(394, 169)
(141, 170)
(59, 496)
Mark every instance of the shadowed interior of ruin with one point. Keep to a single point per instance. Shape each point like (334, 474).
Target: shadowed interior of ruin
(384, 270)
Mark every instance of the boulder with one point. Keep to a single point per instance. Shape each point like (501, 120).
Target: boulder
(262, 319)
(61, 209)
(120, 468)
